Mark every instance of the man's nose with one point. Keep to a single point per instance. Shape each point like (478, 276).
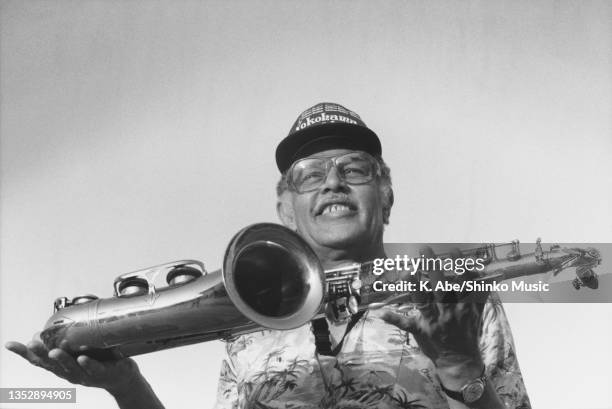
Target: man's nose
(334, 181)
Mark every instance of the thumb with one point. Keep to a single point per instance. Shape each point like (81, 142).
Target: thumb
(404, 322)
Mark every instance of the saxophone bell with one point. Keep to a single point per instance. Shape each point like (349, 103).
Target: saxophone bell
(273, 277)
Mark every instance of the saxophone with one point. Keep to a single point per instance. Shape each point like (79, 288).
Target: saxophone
(271, 279)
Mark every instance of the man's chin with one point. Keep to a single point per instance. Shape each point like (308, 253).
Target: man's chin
(340, 238)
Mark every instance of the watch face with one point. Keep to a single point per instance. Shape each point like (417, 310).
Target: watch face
(473, 391)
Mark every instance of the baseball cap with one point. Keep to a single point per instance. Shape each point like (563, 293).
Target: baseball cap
(324, 126)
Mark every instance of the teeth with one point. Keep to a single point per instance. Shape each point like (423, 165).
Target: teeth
(335, 208)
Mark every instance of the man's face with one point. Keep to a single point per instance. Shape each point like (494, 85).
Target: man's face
(338, 215)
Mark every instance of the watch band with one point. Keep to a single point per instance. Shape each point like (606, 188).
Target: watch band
(470, 392)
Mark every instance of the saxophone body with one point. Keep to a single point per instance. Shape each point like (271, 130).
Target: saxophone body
(271, 279)
(128, 325)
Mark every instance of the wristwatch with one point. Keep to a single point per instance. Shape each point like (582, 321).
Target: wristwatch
(470, 392)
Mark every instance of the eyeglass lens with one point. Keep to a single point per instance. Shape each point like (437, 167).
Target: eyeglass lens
(354, 168)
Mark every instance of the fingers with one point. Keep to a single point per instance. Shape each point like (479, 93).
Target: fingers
(81, 370)
(38, 348)
(451, 288)
(57, 361)
(436, 276)
(461, 274)
(64, 360)
(92, 367)
(404, 322)
(68, 364)
(18, 348)
(34, 352)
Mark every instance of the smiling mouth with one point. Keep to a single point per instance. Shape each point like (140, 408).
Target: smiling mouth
(336, 209)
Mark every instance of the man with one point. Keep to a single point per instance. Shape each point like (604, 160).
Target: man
(335, 191)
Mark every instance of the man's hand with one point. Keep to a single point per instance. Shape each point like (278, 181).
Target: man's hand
(447, 327)
(121, 378)
(448, 333)
(83, 370)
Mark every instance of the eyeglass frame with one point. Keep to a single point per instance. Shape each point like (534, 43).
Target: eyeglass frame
(291, 185)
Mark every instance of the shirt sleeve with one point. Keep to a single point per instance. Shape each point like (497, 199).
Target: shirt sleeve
(499, 355)
(227, 391)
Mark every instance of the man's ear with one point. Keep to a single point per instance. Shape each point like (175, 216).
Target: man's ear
(284, 209)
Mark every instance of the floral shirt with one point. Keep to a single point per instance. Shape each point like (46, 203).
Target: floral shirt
(378, 366)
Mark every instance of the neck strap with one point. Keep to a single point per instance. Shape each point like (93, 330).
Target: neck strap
(323, 344)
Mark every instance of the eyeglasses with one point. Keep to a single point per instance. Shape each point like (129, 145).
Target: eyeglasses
(355, 168)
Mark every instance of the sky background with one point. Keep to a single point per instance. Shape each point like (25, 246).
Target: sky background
(136, 133)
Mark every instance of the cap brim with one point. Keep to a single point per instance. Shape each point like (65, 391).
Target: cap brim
(324, 137)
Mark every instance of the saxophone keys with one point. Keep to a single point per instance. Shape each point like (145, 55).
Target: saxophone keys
(182, 274)
(353, 305)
